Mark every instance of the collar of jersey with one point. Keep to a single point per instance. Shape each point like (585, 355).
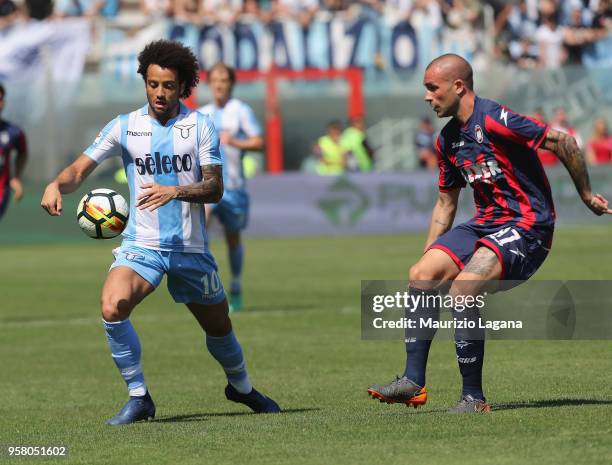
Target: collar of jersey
(467, 123)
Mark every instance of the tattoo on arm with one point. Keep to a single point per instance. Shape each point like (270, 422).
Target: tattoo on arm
(441, 223)
(566, 149)
(482, 263)
(208, 190)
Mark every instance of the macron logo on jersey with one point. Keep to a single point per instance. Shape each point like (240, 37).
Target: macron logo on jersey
(483, 172)
(139, 133)
(163, 164)
(504, 116)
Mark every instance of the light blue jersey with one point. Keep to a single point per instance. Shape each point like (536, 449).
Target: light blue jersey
(237, 119)
(170, 155)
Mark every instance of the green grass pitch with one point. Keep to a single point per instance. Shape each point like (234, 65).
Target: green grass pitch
(301, 337)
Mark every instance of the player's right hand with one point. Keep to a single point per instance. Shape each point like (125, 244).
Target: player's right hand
(598, 204)
(17, 187)
(52, 200)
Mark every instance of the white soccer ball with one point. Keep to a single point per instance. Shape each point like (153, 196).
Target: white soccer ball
(102, 213)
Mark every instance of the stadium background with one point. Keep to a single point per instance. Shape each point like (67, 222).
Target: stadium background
(66, 77)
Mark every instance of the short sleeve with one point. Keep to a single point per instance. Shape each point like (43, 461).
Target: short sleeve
(501, 122)
(248, 122)
(107, 144)
(208, 147)
(450, 177)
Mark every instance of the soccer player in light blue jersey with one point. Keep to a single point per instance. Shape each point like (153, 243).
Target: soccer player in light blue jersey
(173, 166)
(239, 132)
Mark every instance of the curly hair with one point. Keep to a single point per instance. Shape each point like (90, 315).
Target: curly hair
(173, 55)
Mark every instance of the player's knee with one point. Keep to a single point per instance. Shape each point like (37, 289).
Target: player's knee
(115, 309)
(420, 272)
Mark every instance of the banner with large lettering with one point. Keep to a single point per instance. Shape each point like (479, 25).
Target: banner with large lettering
(329, 42)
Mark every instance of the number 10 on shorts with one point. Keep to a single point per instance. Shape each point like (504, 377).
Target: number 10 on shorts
(211, 283)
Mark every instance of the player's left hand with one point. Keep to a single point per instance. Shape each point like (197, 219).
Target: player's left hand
(598, 205)
(154, 196)
(17, 188)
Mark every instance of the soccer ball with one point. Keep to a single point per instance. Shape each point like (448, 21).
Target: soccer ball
(102, 213)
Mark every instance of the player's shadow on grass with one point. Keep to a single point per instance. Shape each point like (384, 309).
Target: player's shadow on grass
(205, 416)
(547, 403)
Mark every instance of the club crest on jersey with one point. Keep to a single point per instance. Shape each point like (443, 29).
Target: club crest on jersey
(479, 134)
(184, 128)
(483, 172)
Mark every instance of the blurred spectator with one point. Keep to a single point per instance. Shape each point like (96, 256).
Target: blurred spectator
(8, 13)
(251, 7)
(602, 21)
(547, 157)
(354, 140)
(575, 35)
(334, 6)
(156, 9)
(396, 11)
(300, 10)
(561, 123)
(330, 151)
(39, 9)
(516, 29)
(88, 8)
(222, 11)
(425, 145)
(579, 34)
(426, 13)
(549, 37)
(461, 14)
(188, 11)
(599, 148)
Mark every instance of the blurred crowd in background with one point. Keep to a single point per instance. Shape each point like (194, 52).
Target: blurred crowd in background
(548, 35)
(529, 33)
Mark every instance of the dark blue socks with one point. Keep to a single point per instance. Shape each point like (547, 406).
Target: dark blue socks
(469, 344)
(418, 341)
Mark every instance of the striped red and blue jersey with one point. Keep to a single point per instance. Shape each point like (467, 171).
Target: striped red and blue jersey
(12, 139)
(496, 153)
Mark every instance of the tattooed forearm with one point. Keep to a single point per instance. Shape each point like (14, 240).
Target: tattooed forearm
(566, 149)
(208, 190)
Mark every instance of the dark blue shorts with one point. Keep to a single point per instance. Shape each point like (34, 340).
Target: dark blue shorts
(520, 253)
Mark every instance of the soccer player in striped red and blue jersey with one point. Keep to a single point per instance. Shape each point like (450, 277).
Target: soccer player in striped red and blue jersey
(493, 149)
(173, 167)
(12, 140)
